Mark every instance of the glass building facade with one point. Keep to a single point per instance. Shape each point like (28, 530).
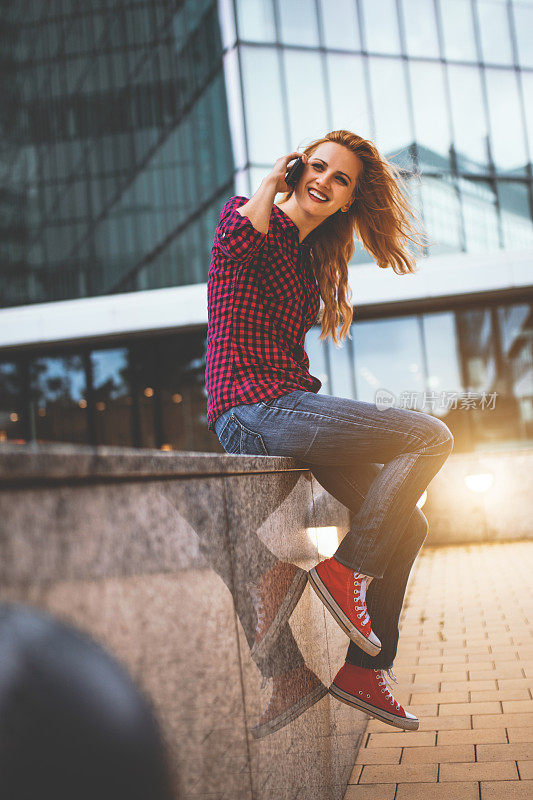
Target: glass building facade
(125, 127)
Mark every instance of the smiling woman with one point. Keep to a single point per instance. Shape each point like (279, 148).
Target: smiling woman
(272, 262)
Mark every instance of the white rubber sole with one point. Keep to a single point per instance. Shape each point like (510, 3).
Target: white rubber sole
(372, 711)
(339, 616)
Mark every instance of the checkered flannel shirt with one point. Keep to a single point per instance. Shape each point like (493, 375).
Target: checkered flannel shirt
(262, 298)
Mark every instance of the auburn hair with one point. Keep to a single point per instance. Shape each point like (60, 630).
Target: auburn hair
(380, 217)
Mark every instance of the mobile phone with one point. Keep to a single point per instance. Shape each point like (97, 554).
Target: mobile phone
(293, 174)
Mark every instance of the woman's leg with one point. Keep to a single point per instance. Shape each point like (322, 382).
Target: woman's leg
(384, 597)
(326, 431)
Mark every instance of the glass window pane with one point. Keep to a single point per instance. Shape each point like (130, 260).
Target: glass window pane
(112, 396)
(420, 28)
(298, 22)
(458, 29)
(527, 87)
(523, 17)
(516, 333)
(380, 37)
(442, 214)
(432, 126)
(233, 103)
(349, 104)
(59, 399)
(494, 30)
(468, 118)
(388, 355)
(341, 366)
(389, 98)
(507, 139)
(306, 97)
(444, 376)
(10, 403)
(182, 392)
(476, 343)
(264, 106)
(479, 213)
(255, 19)
(515, 214)
(339, 23)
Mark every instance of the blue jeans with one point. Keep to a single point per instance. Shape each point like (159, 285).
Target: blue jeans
(376, 462)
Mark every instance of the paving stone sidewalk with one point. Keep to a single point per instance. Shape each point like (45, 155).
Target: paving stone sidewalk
(465, 668)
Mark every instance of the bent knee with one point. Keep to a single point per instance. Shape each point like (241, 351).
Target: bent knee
(441, 439)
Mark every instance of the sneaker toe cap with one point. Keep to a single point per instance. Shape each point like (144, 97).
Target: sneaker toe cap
(410, 716)
(374, 639)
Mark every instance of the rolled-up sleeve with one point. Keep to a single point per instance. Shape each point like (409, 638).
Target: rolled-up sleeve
(235, 234)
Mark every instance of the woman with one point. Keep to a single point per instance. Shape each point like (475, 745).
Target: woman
(272, 262)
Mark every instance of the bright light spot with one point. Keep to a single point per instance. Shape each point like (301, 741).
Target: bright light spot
(166, 447)
(177, 398)
(14, 417)
(148, 392)
(422, 499)
(325, 539)
(480, 482)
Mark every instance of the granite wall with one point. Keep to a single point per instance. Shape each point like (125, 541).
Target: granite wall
(156, 554)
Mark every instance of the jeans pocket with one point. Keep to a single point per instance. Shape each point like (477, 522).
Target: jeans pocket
(229, 435)
(250, 443)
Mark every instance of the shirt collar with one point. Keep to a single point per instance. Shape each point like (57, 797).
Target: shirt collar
(287, 224)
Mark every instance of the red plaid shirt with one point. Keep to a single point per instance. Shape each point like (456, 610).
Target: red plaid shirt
(262, 298)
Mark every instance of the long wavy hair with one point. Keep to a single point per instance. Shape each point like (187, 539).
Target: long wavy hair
(380, 217)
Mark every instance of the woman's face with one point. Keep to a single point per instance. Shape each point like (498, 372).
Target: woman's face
(332, 170)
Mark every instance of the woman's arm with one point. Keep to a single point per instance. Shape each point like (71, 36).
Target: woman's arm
(259, 207)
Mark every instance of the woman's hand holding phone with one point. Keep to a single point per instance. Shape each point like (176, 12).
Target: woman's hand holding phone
(259, 207)
(277, 176)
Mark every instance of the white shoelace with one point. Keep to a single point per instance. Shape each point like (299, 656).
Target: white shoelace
(360, 584)
(383, 681)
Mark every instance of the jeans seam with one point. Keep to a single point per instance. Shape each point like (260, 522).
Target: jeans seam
(351, 485)
(302, 458)
(349, 422)
(431, 446)
(373, 539)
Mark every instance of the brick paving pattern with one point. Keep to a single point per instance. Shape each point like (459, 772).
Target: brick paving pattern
(465, 668)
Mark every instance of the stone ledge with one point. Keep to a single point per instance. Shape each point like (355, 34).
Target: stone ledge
(53, 461)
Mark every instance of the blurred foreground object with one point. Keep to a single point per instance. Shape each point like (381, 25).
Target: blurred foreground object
(72, 722)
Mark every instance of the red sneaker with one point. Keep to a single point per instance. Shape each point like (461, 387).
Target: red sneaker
(367, 690)
(343, 593)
